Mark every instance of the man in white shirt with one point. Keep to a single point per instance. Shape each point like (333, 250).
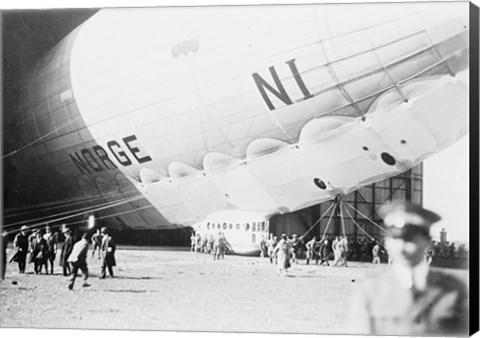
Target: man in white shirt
(410, 298)
(78, 260)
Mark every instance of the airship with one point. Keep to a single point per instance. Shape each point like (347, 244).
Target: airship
(218, 118)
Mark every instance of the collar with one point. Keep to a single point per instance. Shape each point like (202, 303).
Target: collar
(408, 277)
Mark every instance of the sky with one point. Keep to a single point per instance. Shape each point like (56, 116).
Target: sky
(446, 189)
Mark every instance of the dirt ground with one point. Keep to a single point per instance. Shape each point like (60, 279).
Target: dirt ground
(175, 290)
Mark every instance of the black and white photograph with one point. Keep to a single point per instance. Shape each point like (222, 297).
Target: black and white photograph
(281, 168)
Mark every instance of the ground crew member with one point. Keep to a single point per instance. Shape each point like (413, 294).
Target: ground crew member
(376, 254)
(97, 242)
(410, 298)
(108, 253)
(263, 247)
(220, 246)
(325, 252)
(311, 250)
(295, 243)
(341, 249)
(192, 242)
(271, 244)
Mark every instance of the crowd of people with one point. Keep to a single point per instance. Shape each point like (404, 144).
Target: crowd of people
(216, 245)
(339, 249)
(425, 301)
(40, 249)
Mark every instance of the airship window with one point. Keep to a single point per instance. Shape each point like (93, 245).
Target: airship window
(365, 148)
(231, 226)
(263, 226)
(247, 227)
(224, 225)
(208, 225)
(319, 183)
(218, 226)
(254, 226)
(388, 159)
(238, 226)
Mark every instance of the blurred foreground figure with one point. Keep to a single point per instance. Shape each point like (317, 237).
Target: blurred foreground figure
(4, 254)
(410, 298)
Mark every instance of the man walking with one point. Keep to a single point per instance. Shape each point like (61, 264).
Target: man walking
(97, 243)
(78, 260)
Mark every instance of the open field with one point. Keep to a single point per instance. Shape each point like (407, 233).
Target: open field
(181, 291)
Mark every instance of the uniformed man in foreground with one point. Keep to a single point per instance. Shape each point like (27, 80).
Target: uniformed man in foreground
(410, 298)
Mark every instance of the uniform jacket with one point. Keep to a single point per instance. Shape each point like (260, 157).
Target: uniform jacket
(108, 250)
(384, 307)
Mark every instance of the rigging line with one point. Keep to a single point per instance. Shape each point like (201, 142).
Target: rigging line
(85, 197)
(341, 218)
(32, 226)
(124, 212)
(368, 203)
(371, 221)
(51, 205)
(319, 220)
(39, 205)
(28, 145)
(358, 225)
(328, 225)
(45, 218)
(102, 217)
(57, 205)
(54, 215)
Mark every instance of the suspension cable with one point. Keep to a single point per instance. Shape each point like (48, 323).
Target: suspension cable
(366, 217)
(319, 220)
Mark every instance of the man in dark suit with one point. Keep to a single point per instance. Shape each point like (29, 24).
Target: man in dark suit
(38, 257)
(325, 252)
(108, 253)
(20, 243)
(66, 251)
(410, 298)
